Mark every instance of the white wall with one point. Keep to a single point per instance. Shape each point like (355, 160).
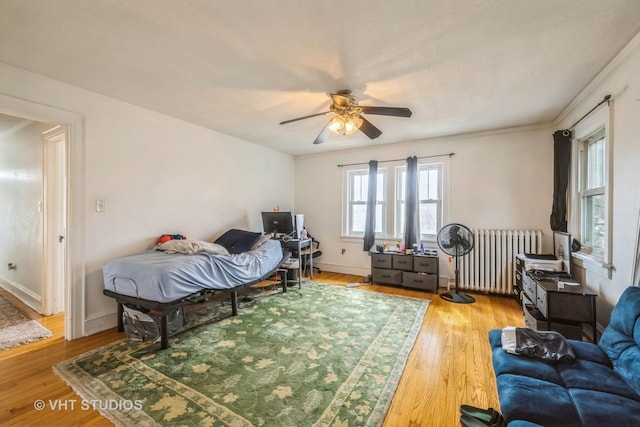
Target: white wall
(499, 179)
(621, 79)
(157, 174)
(21, 222)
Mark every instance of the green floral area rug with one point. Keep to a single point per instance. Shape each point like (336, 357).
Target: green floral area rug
(326, 356)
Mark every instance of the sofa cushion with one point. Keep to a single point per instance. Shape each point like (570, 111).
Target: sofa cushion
(506, 363)
(588, 351)
(590, 376)
(605, 409)
(536, 401)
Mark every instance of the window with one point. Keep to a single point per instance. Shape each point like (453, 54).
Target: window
(592, 192)
(391, 200)
(590, 220)
(430, 195)
(358, 185)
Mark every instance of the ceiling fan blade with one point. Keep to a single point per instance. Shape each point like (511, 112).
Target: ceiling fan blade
(323, 135)
(305, 117)
(388, 111)
(368, 129)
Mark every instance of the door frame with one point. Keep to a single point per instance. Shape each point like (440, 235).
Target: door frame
(75, 265)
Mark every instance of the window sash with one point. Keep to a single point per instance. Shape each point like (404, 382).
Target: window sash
(592, 193)
(357, 202)
(430, 195)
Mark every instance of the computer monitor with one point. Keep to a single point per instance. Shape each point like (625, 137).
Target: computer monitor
(562, 249)
(277, 222)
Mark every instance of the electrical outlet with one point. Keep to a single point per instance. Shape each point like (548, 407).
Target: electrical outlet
(12, 266)
(101, 206)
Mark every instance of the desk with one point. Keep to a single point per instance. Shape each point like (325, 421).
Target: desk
(297, 245)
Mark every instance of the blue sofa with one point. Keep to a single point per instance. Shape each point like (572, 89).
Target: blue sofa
(601, 388)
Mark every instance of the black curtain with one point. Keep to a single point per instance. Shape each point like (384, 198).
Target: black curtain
(370, 217)
(561, 165)
(411, 204)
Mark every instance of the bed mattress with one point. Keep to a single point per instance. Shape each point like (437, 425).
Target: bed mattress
(166, 277)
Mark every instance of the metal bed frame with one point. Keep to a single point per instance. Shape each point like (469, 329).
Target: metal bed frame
(164, 308)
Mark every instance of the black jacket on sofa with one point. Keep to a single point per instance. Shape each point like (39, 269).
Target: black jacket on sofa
(601, 388)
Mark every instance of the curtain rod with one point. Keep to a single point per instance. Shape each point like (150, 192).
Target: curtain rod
(397, 160)
(566, 131)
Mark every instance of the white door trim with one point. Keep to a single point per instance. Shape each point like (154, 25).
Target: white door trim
(75, 260)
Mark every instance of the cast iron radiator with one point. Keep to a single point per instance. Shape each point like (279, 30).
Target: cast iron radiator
(490, 266)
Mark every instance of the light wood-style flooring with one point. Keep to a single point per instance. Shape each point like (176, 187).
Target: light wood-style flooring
(449, 365)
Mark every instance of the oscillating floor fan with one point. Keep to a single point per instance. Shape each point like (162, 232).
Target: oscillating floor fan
(456, 240)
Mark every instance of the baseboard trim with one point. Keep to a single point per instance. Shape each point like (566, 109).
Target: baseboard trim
(25, 295)
(101, 323)
(344, 269)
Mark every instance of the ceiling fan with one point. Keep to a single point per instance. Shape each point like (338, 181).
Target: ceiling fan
(348, 116)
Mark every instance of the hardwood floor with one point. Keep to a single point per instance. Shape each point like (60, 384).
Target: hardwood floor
(449, 365)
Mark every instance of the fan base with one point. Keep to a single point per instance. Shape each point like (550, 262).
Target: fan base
(457, 298)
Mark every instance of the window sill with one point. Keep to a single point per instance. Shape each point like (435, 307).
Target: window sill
(389, 240)
(592, 263)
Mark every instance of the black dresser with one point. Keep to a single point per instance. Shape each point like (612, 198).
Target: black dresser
(418, 271)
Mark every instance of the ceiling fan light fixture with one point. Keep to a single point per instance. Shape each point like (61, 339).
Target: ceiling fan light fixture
(336, 124)
(352, 124)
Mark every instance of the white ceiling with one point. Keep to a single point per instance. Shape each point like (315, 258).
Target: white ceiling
(241, 67)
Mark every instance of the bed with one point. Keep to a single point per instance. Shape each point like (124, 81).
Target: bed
(162, 280)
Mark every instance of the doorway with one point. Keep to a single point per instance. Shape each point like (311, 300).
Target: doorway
(33, 168)
(74, 236)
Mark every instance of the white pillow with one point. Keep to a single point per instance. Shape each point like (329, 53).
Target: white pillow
(189, 247)
(213, 248)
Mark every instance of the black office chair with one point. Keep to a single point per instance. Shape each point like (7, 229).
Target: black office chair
(314, 251)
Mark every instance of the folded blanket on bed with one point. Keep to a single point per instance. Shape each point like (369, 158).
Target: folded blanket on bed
(549, 346)
(189, 247)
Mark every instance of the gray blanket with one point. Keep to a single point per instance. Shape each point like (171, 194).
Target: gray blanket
(165, 277)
